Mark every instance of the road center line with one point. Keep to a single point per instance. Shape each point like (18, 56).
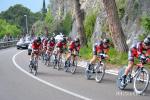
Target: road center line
(45, 82)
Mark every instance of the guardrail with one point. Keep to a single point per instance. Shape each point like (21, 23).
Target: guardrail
(8, 44)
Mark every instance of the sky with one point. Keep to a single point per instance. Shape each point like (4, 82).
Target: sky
(33, 5)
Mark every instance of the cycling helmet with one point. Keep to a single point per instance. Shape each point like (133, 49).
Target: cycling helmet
(52, 39)
(64, 40)
(77, 40)
(38, 39)
(99, 43)
(147, 41)
(106, 40)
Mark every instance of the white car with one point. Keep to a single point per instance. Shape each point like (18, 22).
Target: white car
(21, 44)
(30, 48)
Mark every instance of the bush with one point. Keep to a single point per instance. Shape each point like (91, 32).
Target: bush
(86, 52)
(145, 23)
(66, 24)
(117, 58)
(89, 23)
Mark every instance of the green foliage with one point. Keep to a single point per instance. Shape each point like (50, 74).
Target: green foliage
(15, 15)
(66, 24)
(55, 25)
(145, 23)
(86, 52)
(49, 18)
(117, 58)
(89, 24)
(8, 29)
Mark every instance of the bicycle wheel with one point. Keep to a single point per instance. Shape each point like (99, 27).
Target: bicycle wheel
(30, 68)
(141, 81)
(88, 74)
(46, 59)
(73, 67)
(66, 66)
(54, 63)
(48, 62)
(119, 78)
(100, 72)
(59, 63)
(35, 68)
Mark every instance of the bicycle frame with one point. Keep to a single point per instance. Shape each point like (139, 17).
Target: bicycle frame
(138, 68)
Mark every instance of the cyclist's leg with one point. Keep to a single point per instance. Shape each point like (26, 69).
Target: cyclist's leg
(92, 61)
(32, 56)
(68, 56)
(129, 67)
(75, 52)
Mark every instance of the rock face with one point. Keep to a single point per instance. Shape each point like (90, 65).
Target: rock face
(60, 7)
(134, 10)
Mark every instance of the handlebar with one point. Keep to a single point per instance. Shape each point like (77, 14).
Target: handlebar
(103, 55)
(144, 59)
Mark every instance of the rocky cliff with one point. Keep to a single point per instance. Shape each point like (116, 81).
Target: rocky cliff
(133, 11)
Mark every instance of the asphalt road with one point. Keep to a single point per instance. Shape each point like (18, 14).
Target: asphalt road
(50, 84)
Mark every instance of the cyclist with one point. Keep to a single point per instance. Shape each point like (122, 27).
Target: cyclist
(136, 50)
(98, 48)
(50, 45)
(74, 48)
(61, 46)
(36, 46)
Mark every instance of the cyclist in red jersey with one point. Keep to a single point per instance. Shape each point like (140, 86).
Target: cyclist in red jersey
(74, 48)
(61, 45)
(36, 46)
(98, 48)
(137, 50)
(50, 45)
(44, 44)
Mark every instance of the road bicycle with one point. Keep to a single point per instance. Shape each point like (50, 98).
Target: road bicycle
(33, 66)
(57, 63)
(98, 69)
(71, 64)
(139, 77)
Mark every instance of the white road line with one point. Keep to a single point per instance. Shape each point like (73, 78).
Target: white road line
(45, 82)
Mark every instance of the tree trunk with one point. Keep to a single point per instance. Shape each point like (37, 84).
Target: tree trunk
(79, 22)
(117, 34)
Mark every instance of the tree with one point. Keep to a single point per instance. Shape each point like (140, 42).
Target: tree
(117, 34)
(15, 15)
(8, 29)
(79, 22)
